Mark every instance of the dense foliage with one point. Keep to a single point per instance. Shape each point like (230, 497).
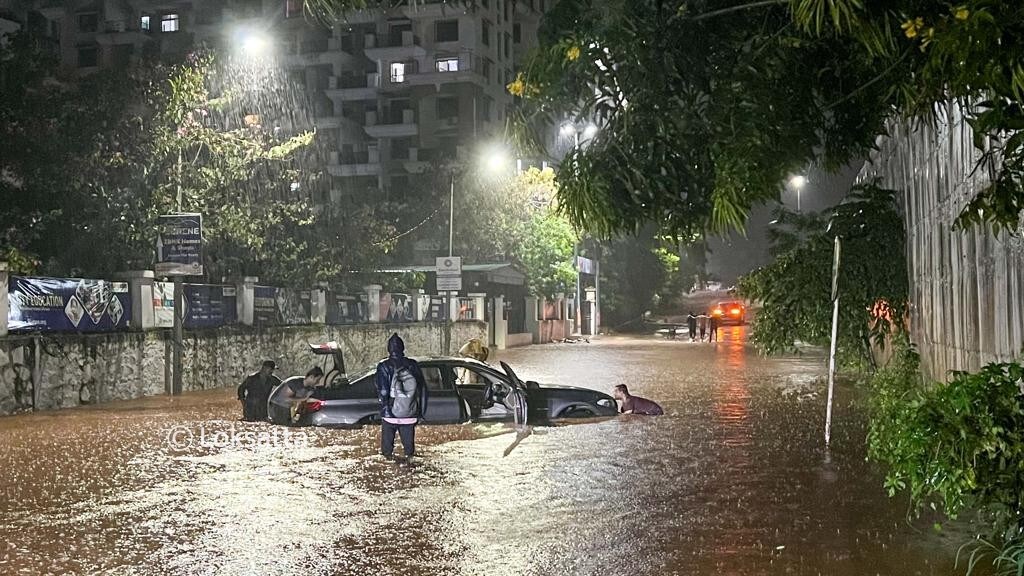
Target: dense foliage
(959, 444)
(795, 290)
(88, 166)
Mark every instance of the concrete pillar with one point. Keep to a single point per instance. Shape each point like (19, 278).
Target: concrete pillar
(479, 302)
(246, 299)
(372, 302)
(533, 318)
(563, 315)
(140, 290)
(5, 307)
(318, 304)
(500, 323)
(419, 308)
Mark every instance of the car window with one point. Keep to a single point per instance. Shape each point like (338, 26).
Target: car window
(434, 378)
(468, 375)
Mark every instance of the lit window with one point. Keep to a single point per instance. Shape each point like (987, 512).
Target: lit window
(448, 65)
(397, 72)
(144, 23)
(170, 23)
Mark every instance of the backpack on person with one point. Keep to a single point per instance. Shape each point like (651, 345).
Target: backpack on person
(404, 393)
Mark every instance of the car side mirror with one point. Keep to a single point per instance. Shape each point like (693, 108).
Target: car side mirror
(531, 385)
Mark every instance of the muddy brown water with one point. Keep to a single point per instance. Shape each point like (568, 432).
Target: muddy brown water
(732, 480)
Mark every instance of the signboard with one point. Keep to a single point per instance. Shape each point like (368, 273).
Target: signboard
(264, 306)
(68, 304)
(449, 283)
(163, 304)
(585, 265)
(280, 306)
(179, 245)
(449, 273)
(344, 309)
(210, 305)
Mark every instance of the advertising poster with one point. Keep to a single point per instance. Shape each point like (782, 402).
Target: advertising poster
(163, 304)
(264, 308)
(344, 309)
(179, 245)
(210, 305)
(68, 305)
(395, 308)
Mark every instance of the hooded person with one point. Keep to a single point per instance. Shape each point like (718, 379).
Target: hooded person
(402, 392)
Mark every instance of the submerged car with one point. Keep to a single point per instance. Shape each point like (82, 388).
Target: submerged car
(459, 390)
(733, 312)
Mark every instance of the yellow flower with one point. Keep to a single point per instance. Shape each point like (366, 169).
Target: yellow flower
(962, 13)
(927, 38)
(912, 27)
(573, 53)
(517, 87)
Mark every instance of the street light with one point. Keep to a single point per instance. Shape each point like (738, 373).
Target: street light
(588, 131)
(798, 182)
(494, 158)
(251, 42)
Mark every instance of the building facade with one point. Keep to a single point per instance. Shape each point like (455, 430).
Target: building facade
(392, 91)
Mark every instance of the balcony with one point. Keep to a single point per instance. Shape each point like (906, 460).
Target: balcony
(462, 68)
(397, 47)
(354, 87)
(365, 163)
(317, 53)
(413, 164)
(120, 32)
(398, 124)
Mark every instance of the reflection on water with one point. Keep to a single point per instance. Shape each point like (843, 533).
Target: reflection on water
(730, 481)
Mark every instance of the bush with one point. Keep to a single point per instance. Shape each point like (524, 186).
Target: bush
(959, 445)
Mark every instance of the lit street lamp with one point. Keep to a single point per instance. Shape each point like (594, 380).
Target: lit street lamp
(798, 182)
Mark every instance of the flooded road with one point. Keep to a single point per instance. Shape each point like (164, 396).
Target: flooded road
(732, 480)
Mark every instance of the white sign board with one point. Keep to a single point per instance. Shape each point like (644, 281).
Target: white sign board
(449, 266)
(449, 274)
(449, 283)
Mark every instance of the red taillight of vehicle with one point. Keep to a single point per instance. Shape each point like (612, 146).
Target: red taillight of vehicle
(314, 405)
(735, 311)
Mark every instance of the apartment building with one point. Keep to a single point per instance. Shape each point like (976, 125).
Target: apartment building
(393, 91)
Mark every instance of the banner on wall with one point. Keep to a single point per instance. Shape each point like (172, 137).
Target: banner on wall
(210, 305)
(281, 306)
(67, 304)
(163, 304)
(344, 309)
(395, 308)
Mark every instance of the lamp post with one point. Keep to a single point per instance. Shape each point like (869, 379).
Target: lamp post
(587, 131)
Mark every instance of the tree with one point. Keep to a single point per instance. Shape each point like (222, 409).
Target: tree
(89, 165)
(795, 290)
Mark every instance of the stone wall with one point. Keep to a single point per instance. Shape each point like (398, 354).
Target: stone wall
(966, 286)
(75, 369)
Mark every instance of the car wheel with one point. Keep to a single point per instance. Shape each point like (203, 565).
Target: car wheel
(576, 412)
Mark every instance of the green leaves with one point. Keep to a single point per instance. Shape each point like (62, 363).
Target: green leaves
(960, 443)
(795, 290)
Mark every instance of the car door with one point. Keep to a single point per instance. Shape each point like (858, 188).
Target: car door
(516, 399)
(473, 382)
(444, 405)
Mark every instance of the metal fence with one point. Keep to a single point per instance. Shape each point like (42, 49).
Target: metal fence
(966, 287)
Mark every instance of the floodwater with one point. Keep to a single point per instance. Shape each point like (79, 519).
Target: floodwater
(732, 480)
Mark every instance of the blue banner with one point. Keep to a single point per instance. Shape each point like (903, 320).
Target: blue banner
(68, 305)
(179, 245)
(210, 305)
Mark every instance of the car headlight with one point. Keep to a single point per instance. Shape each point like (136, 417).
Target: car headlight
(606, 402)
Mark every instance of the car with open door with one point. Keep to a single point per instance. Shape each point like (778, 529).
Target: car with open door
(459, 390)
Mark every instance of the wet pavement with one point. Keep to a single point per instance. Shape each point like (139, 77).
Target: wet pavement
(732, 480)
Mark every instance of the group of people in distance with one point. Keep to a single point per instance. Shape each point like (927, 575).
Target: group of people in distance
(702, 326)
(401, 390)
